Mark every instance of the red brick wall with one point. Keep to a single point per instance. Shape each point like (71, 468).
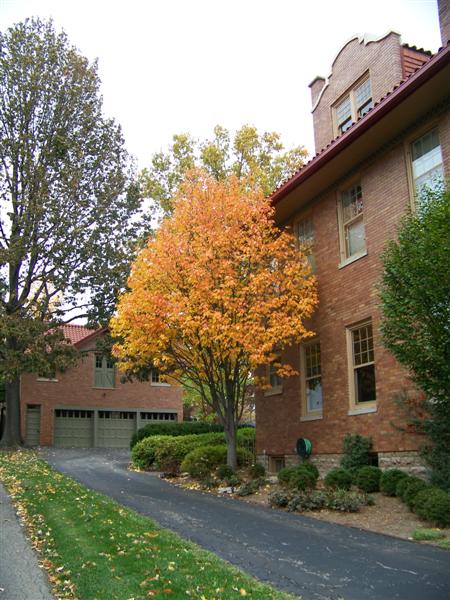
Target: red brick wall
(74, 388)
(346, 296)
(383, 61)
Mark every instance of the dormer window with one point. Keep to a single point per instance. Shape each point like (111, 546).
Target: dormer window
(355, 105)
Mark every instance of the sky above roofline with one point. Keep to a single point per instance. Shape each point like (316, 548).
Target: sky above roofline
(177, 66)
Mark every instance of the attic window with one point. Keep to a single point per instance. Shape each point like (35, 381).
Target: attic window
(355, 105)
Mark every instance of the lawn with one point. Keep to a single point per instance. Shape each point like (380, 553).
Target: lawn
(95, 549)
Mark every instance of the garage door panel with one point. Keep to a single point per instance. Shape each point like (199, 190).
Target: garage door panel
(74, 428)
(115, 428)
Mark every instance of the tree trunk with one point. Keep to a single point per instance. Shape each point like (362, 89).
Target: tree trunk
(231, 439)
(11, 435)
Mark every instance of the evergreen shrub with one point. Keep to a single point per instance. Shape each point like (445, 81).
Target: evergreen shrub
(338, 479)
(368, 479)
(389, 480)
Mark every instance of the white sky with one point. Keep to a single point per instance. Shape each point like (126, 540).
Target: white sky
(172, 66)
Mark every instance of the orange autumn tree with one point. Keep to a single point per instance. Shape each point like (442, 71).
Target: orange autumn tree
(218, 291)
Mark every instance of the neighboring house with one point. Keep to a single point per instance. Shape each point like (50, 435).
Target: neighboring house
(89, 405)
(382, 118)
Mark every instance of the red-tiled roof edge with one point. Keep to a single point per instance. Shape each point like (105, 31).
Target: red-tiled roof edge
(381, 108)
(91, 336)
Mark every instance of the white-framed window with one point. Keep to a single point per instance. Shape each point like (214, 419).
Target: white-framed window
(156, 379)
(311, 379)
(356, 103)
(351, 223)
(274, 380)
(361, 360)
(104, 371)
(426, 159)
(305, 236)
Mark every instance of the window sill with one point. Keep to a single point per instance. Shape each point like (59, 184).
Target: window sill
(362, 411)
(96, 387)
(46, 380)
(154, 384)
(312, 417)
(274, 391)
(352, 259)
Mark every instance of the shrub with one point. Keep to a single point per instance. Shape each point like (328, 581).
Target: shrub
(311, 468)
(312, 500)
(174, 428)
(338, 479)
(414, 486)
(257, 470)
(279, 498)
(389, 480)
(368, 479)
(201, 461)
(433, 504)
(297, 478)
(345, 501)
(423, 534)
(401, 486)
(167, 452)
(224, 472)
(284, 475)
(251, 487)
(356, 452)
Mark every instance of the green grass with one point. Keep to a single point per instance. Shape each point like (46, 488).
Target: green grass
(424, 534)
(445, 544)
(95, 549)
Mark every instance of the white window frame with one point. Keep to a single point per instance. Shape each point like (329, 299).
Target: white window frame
(273, 389)
(350, 97)
(344, 225)
(305, 239)
(306, 414)
(155, 379)
(355, 407)
(437, 166)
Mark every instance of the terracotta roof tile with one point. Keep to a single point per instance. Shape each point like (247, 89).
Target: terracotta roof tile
(76, 333)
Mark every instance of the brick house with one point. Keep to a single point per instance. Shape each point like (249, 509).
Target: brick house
(89, 405)
(382, 120)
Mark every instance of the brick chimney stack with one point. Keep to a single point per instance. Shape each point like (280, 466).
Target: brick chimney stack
(444, 20)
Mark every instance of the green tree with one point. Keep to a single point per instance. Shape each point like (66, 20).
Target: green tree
(260, 155)
(67, 202)
(415, 303)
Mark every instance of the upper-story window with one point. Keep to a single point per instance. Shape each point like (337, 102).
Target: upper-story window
(351, 223)
(355, 105)
(156, 378)
(104, 372)
(274, 380)
(305, 234)
(426, 156)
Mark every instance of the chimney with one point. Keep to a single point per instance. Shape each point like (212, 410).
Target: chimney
(316, 86)
(444, 20)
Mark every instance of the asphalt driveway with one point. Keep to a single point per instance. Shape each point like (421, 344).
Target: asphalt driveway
(304, 556)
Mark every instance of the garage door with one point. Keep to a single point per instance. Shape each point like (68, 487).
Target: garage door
(115, 428)
(74, 428)
(33, 426)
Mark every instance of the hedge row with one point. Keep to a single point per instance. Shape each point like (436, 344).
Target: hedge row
(428, 502)
(166, 453)
(174, 428)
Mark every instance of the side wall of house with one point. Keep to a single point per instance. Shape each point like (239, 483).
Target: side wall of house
(75, 389)
(348, 295)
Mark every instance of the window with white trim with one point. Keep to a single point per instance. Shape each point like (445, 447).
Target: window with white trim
(305, 236)
(355, 105)
(104, 371)
(362, 365)
(427, 165)
(311, 379)
(274, 380)
(351, 222)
